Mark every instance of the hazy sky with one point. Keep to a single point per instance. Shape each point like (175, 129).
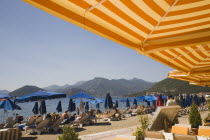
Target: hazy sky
(39, 49)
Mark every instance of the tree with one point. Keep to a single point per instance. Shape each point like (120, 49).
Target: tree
(69, 134)
(194, 116)
(140, 132)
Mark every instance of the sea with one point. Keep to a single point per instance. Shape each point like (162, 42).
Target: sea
(52, 104)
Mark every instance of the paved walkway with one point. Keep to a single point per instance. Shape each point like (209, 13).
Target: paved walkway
(109, 135)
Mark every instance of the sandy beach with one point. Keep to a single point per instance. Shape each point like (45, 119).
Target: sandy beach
(102, 126)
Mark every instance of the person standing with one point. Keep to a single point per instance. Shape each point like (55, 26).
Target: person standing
(170, 101)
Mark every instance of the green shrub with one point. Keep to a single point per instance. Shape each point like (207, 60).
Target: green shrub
(175, 121)
(207, 119)
(194, 116)
(69, 134)
(140, 132)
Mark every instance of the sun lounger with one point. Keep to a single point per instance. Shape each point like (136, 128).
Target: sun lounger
(204, 131)
(202, 138)
(10, 122)
(113, 116)
(41, 127)
(180, 130)
(84, 120)
(149, 135)
(30, 122)
(184, 137)
(10, 134)
(125, 137)
(55, 126)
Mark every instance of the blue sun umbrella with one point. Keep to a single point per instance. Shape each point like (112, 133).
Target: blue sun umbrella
(59, 107)
(135, 102)
(108, 102)
(203, 100)
(42, 108)
(81, 95)
(86, 107)
(127, 103)
(40, 95)
(9, 105)
(196, 99)
(187, 100)
(35, 109)
(116, 103)
(71, 106)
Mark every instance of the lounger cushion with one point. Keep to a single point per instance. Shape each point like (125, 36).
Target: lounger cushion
(180, 130)
(203, 132)
(184, 137)
(153, 134)
(10, 134)
(125, 137)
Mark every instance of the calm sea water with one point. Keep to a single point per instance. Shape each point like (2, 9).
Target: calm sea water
(52, 104)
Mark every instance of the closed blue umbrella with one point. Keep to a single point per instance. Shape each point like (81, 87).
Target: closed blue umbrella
(97, 106)
(135, 102)
(59, 107)
(181, 101)
(196, 99)
(86, 107)
(203, 100)
(116, 104)
(35, 109)
(71, 106)
(127, 103)
(42, 108)
(191, 99)
(187, 100)
(9, 105)
(108, 102)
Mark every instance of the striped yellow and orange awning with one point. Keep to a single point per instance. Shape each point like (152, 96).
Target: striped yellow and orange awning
(173, 32)
(195, 79)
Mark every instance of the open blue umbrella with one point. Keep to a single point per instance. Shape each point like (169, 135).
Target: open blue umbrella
(42, 108)
(86, 107)
(81, 95)
(116, 104)
(35, 109)
(9, 105)
(135, 102)
(108, 102)
(59, 107)
(71, 106)
(40, 95)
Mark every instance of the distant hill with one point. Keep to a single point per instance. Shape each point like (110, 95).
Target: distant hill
(173, 86)
(4, 91)
(54, 88)
(71, 91)
(25, 90)
(101, 86)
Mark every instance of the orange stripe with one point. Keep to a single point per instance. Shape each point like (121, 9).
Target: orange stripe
(139, 12)
(110, 20)
(182, 2)
(161, 60)
(191, 54)
(175, 44)
(188, 11)
(80, 19)
(121, 14)
(155, 7)
(180, 34)
(179, 55)
(180, 27)
(185, 19)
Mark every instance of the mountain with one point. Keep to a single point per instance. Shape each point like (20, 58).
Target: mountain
(173, 86)
(71, 91)
(25, 90)
(101, 86)
(4, 91)
(54, 88)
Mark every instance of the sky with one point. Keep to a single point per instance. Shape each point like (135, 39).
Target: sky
(39, 49)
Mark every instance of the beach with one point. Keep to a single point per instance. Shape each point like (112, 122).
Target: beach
(102, 126)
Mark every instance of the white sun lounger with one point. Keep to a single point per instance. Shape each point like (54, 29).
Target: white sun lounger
(41, 127)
